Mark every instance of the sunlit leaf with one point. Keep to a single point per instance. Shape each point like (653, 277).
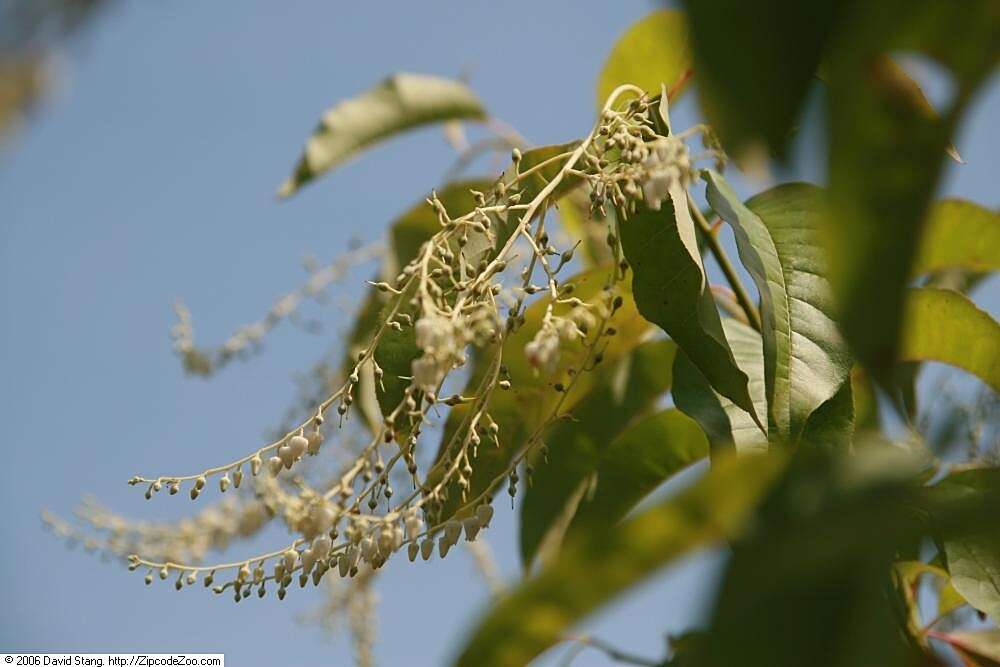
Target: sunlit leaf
(653, 52)
(400, 103)
(945, 326)
(626, 389)
(672, 291)
(727, 425)
(600, 565)
(959, 234)
(805, 359)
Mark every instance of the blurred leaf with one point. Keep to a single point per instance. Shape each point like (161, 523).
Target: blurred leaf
(945, 326)
(897, 82)
(653, 52)
(398, 348)
(597, 566)
(810, 584)
(866, 416)
(521, 411)
(639, 460)
(671, 290)
(400, 103)
(959, 234)
(754, 63)
(727, 425)
(627, 388)
(805, 359)
(886, 156)
(981, 647)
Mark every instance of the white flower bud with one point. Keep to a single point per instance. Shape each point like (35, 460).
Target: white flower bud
(385, 540)
(427, 548)
(289, 559)
(472, 526)
(308, 560)
(274, 465)
(412, 550)
(285, 455)
(367, 546)
(321, 546)
(298, 445)
(315, 441)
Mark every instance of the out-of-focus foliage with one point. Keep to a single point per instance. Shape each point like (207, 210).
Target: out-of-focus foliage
(30, 30)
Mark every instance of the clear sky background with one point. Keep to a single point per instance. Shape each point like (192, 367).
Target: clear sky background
(149, 176)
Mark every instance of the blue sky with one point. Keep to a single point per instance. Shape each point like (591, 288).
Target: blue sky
(149, 175)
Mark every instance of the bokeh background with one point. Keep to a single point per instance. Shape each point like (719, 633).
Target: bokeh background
(148, 174)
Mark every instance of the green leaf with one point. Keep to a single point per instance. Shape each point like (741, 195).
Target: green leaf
(599, 565)
(959, 234)
(755, 63)
(653, 52)
(945, 326)
(886, 156)
(672, 291)
(626, 389)
(400, 103)
(727, 425)
(521, 411)
(805, 359)
(975, 572)
(639, 460)
(831, 425)
(398, 349)
(973, 561)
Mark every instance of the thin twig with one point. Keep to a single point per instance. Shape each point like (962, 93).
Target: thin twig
(753, 315)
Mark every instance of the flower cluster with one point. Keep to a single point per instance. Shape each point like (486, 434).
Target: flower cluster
(469, 287)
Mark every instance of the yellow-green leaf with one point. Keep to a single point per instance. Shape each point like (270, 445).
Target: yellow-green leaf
(401, 102)
(959, 234)
(942, 325)
(653, 52)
